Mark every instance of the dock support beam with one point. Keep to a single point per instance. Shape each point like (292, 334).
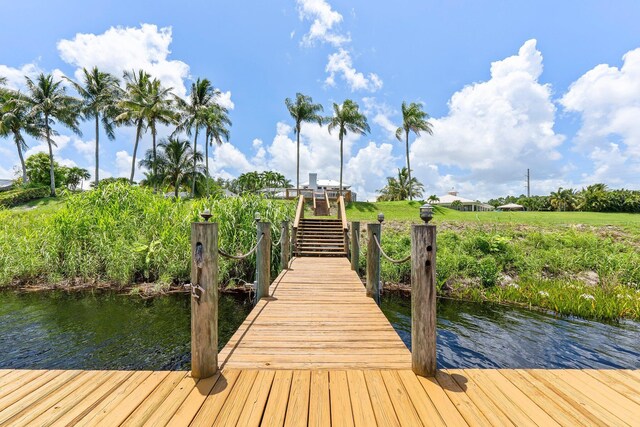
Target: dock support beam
(285, 246)
(204, 299)
(423, 299)
(373, 262)
(355, 245)
(263, 260)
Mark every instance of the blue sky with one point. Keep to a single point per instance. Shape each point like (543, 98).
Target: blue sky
(509, 85)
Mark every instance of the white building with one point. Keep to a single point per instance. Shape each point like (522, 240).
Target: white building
(468, 205)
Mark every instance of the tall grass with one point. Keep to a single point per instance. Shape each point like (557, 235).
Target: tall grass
(587, 272)
(124, 234)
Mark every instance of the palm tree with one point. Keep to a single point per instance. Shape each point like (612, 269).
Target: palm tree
(399, 188)
(158, 109)
(47, 101)
(133, 107)
(302, 110)
(14, 119)
(202, 96)
(216, 120)
(413, 120)
(174, 161)
(433, 199)
(563, 199)
(100, 92)
(347, 118)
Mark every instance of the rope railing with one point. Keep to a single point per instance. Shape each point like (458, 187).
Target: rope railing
(387, 257)
(226, 255)
(276, 244)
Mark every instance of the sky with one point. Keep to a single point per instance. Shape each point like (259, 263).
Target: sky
(549, 86)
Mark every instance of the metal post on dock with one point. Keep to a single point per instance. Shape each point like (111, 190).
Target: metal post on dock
(263, 260)
(355, 245)
(423, 299)
(285, 246)
(204, 298)
(373, 262)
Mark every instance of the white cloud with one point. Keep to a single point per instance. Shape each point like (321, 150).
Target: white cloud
(324, 19)
(367, 170)
(380, 114)
(122, 49)
(608, 101)
(123, 166)
(496, 129)
(16, 76)
(224, 99)
(340, 64)
(61, 142)
(87, 149)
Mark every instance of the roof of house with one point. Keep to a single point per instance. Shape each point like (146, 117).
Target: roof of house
(6, 183)
(511, 206)
(327, 183)
(450, 198)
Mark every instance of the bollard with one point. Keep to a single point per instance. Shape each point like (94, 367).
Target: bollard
(285, 246)
(263, 260)
(355, 247)
(373, 263)
(204, 299)
(423, 300)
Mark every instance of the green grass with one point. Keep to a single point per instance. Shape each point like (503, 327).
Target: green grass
(409, 211)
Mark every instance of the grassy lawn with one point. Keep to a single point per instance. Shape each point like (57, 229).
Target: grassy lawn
(409, 211)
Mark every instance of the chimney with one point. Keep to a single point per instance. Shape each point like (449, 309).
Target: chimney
(313, 181)
(453, 192)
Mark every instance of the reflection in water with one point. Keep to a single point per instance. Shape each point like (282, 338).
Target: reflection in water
(103, 330)
(472, 335)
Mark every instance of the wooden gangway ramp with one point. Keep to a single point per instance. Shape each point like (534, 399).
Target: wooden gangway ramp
(319, 352)
(318, 317)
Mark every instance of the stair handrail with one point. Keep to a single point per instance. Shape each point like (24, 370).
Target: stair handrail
(299, 211)
(342, 215)
(326, 200)
(314, 200)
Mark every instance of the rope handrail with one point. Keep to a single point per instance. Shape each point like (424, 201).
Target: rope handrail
(280, 239)
(226, 255)
(387, 257)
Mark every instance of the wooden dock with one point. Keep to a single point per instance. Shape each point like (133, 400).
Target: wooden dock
(319, 352)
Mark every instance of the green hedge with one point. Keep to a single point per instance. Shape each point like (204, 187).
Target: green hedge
(15, 197)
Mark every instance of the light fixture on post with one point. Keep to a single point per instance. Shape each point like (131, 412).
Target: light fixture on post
(426, 212)
(256, 216)
(380, 217)
(206, 215)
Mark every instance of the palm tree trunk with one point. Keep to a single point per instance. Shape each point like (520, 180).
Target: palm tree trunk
(24, 167)
(176, 187)
(135, 150)
(97, 148)
(297, 159)
(408, 164)
(155, 163)
(206, 158)
(52, 174)
(341, 138)
(195, 146)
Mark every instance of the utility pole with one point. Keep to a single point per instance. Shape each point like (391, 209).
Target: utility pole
(528, 183)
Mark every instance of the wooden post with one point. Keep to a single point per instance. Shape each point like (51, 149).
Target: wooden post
(285, 246)
(355, 245)
(204, 299)
(263, 260)
(423, 299)
(373, 263)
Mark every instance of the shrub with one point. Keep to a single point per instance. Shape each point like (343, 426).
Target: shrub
(16, 197)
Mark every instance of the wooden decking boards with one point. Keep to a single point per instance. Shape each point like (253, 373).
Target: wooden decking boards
(319, 352)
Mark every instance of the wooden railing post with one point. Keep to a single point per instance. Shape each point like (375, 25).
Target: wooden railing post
(423, 299)
(204, 299)
(373, 263)
(263, 260)
(285, 248)
(355, 245)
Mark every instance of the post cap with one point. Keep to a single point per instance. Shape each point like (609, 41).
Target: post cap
(426, 212)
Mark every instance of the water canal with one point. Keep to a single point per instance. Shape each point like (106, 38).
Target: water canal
(106, 330)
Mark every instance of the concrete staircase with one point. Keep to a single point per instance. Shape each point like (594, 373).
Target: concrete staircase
(320, 237)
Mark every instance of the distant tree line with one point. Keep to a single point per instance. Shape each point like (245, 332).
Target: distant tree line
(593, 198)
